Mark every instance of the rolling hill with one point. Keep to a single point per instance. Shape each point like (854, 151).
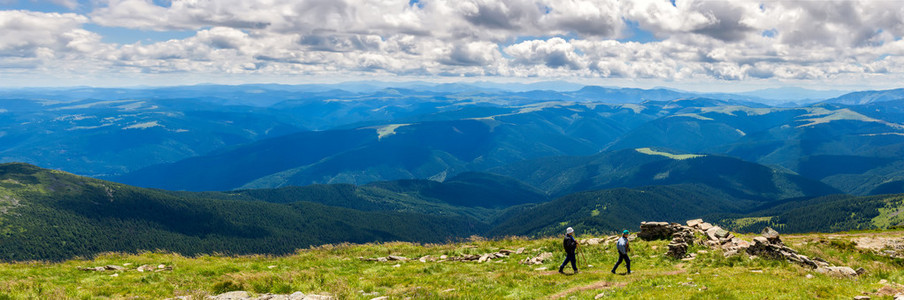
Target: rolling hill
(48, 214)
(646, 167)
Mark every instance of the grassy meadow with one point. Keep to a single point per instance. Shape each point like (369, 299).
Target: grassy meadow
(337, 270)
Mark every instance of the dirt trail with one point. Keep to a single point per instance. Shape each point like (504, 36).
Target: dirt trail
(599, 285)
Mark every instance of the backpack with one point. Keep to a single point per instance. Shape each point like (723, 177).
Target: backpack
(570, 244)
(622, 245)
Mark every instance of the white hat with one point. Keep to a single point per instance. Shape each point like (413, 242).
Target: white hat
(569, 230)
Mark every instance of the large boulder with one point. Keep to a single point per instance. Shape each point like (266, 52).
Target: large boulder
(655, 231)
(677, 249)
(717, 233)
(694, 223)
(771, 235)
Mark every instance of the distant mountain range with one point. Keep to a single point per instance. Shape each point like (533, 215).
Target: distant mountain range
(269, 168)
(821, 142)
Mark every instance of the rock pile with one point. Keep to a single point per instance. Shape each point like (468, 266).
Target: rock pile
(657, 230)
(537, 260)
(385, 259)
(243, 295)
(684, 236)
(142, 268)
(597, 241)
(886, 246)
(769, 245)
(486, 257)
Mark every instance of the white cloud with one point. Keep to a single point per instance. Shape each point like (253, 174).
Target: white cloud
(701, 40)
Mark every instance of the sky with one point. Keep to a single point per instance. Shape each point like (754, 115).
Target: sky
(691, 45)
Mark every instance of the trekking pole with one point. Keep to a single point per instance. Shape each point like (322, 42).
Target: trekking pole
(583, 257)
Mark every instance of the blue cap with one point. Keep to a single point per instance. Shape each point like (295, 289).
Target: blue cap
(624, 232)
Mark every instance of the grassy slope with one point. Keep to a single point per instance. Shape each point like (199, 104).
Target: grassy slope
(335, 269)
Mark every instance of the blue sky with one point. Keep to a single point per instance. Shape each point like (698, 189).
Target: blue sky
(695, 45)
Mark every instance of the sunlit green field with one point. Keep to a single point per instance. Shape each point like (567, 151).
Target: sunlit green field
(337, 271)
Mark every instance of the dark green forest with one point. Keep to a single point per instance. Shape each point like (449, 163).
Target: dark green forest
(53, 215)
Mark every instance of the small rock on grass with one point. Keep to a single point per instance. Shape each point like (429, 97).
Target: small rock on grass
(232, 295)
(861, 297)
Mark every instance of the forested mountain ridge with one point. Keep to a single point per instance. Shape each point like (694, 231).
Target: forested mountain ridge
(47, 214)
(54, 215)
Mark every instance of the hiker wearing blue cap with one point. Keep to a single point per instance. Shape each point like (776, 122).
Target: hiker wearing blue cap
(570, 246)
(623, 248)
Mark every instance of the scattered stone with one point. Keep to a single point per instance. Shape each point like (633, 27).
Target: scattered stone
(730, 253)
(236, 295)
(591, 242)
(380, 298)
(163, 267)
(115, 275)
(397, 258)
(883, 281)
(861, 297)
(837, 271)
(145, 268)
(886, 246)
(541, 269)
(114, 268)
(519, 251)
(860, 271)
(537, 259)
(368, 294)
(397, 266)
(705, 226)
(809, 276)
(271, 267)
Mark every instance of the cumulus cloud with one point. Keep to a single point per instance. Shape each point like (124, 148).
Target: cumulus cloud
(698, 39)
(553, 53)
